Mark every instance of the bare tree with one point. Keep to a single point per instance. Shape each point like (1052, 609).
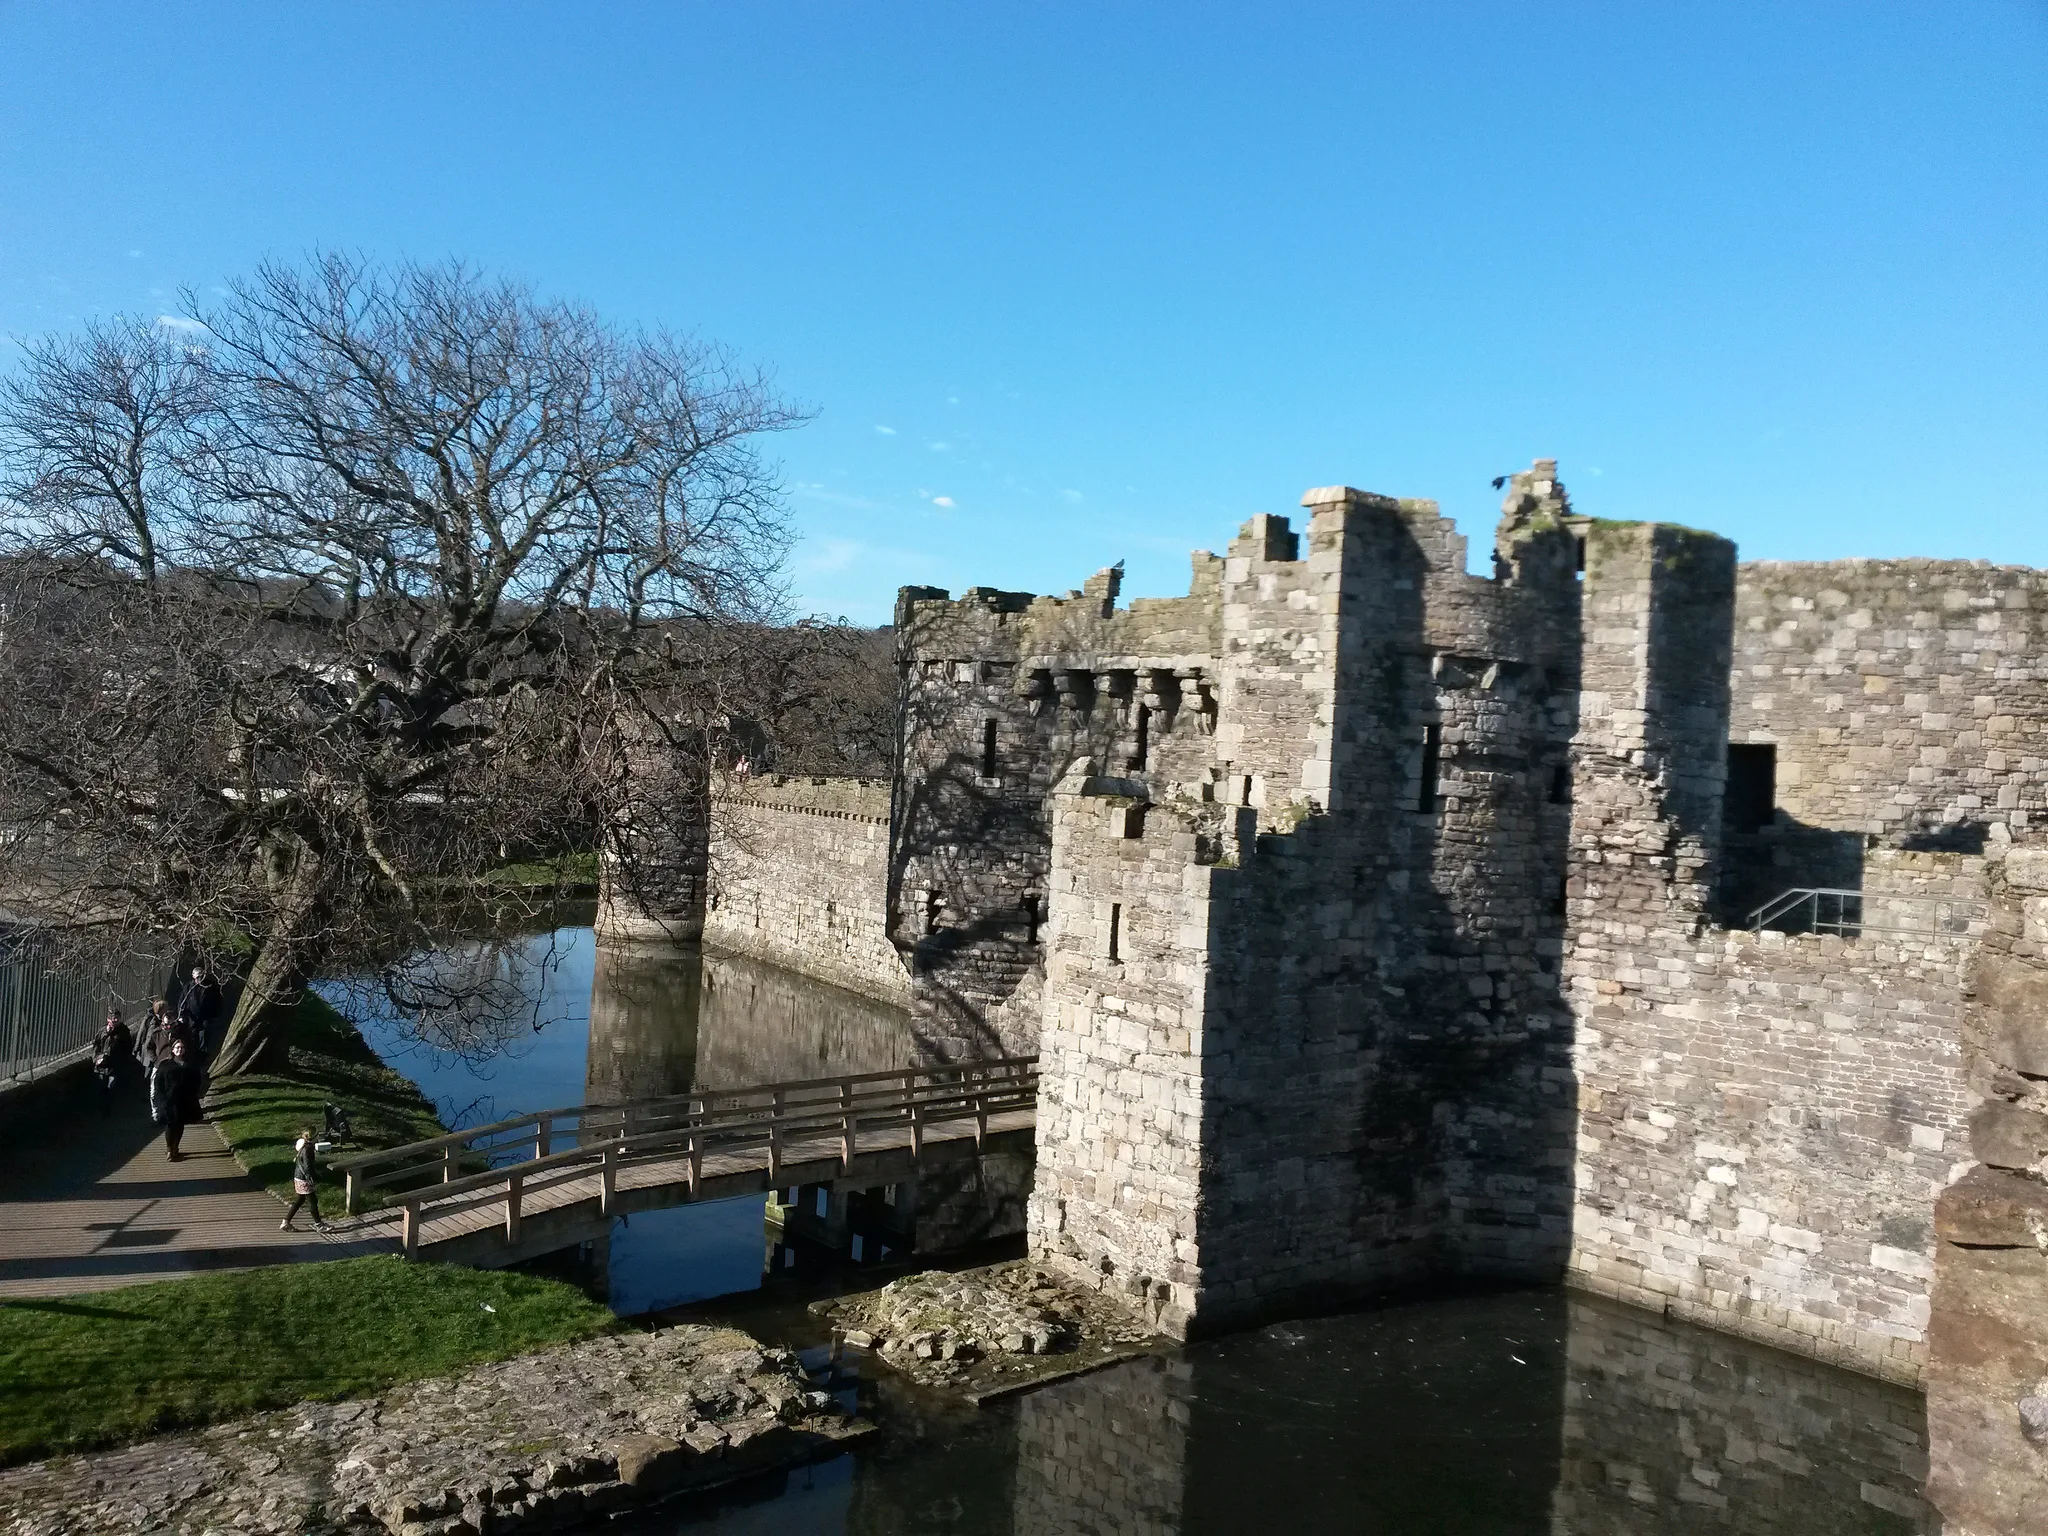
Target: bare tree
(313, 611)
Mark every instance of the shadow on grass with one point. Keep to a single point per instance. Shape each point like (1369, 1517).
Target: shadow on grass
(65, 1308)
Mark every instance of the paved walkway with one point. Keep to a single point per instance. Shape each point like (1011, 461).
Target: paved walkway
(95, 1204)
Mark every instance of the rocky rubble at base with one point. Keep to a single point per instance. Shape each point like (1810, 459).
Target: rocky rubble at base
(537, 1443)
(985, 1332)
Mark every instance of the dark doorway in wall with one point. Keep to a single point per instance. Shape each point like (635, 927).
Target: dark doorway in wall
(1751, 802)
(1432, 764)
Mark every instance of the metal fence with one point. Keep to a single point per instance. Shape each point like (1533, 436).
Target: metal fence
(1858, 914)
(47, 1020)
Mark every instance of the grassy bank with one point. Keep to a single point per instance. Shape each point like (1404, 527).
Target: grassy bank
(260, 1114)
(573, 870)
(109, 1366)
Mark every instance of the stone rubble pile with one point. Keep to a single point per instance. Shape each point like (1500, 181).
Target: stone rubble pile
(936, 1325)
(532, 1444)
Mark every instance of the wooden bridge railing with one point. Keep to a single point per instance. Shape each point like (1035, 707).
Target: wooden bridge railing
(508, 1159)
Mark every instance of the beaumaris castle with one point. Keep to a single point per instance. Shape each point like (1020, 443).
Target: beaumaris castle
(1635, 918)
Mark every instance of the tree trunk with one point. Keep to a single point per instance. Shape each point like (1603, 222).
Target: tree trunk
(257, 1038)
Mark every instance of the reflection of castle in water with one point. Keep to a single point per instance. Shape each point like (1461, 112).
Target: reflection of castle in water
(668, 1019)
(1542, 1414)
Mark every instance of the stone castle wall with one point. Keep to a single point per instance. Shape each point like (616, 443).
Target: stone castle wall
(799, 878)
(1764, 1121)
(1371, 917)
(1764, 1124)
(1303, 1033)
(1987, 1372)
(1001, 692)
(1905, 697)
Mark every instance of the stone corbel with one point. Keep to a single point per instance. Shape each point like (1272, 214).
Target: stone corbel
(1035, 688)
(1194, 690)
(1159, 695)
(1121, 686)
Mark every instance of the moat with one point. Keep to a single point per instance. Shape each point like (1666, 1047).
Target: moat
(1524, 1411)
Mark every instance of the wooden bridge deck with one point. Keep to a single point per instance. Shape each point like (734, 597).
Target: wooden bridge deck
(502, 1193)
(473, 1230)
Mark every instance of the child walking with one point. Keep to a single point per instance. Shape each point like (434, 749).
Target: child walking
(305, 1189)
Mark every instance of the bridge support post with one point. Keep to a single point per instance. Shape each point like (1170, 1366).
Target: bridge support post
(847, 1133)
(412, 1229)
(512, 1192)
(451, 1162)
(608, 1186)
(696, 1163)
(351, 1196)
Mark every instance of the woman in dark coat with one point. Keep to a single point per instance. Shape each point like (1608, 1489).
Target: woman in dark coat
(174, 1095)
(113, 1051)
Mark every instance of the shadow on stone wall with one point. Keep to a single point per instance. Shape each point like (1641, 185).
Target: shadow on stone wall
(965, 935)
(1759, 867)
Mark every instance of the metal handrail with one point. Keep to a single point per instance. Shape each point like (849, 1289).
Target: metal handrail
(1842, 924)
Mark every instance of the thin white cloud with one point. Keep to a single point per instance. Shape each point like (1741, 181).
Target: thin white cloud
(178, 323)
(942, 501)
(940, 447)
(885, 431)
(812, 491)
(830, 555)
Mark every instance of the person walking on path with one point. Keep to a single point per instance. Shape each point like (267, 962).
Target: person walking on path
(174, 1095)
(159, 1036)
(113, 1052)
(305, 1182)
(199, 1011)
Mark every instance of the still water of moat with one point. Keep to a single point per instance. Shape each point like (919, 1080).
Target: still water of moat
(605, 1022)
(1533, 1411)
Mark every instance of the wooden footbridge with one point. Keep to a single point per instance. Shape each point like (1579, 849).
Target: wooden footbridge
(527, 1186)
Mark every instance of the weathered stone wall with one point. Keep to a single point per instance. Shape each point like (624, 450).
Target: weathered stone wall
(1002, 691)
(1987, 1372)
(1303, 1035)
(1906, 697)
(1765, 1121)
(799, 878)
(1373, 927)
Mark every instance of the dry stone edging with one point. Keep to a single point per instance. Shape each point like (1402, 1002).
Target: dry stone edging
(542, 1442)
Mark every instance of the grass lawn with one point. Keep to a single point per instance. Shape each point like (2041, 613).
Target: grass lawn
(573, 869)
(80, 1371)
(260, 1114)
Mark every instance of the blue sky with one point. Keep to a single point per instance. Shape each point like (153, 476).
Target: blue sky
(1072, 283)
